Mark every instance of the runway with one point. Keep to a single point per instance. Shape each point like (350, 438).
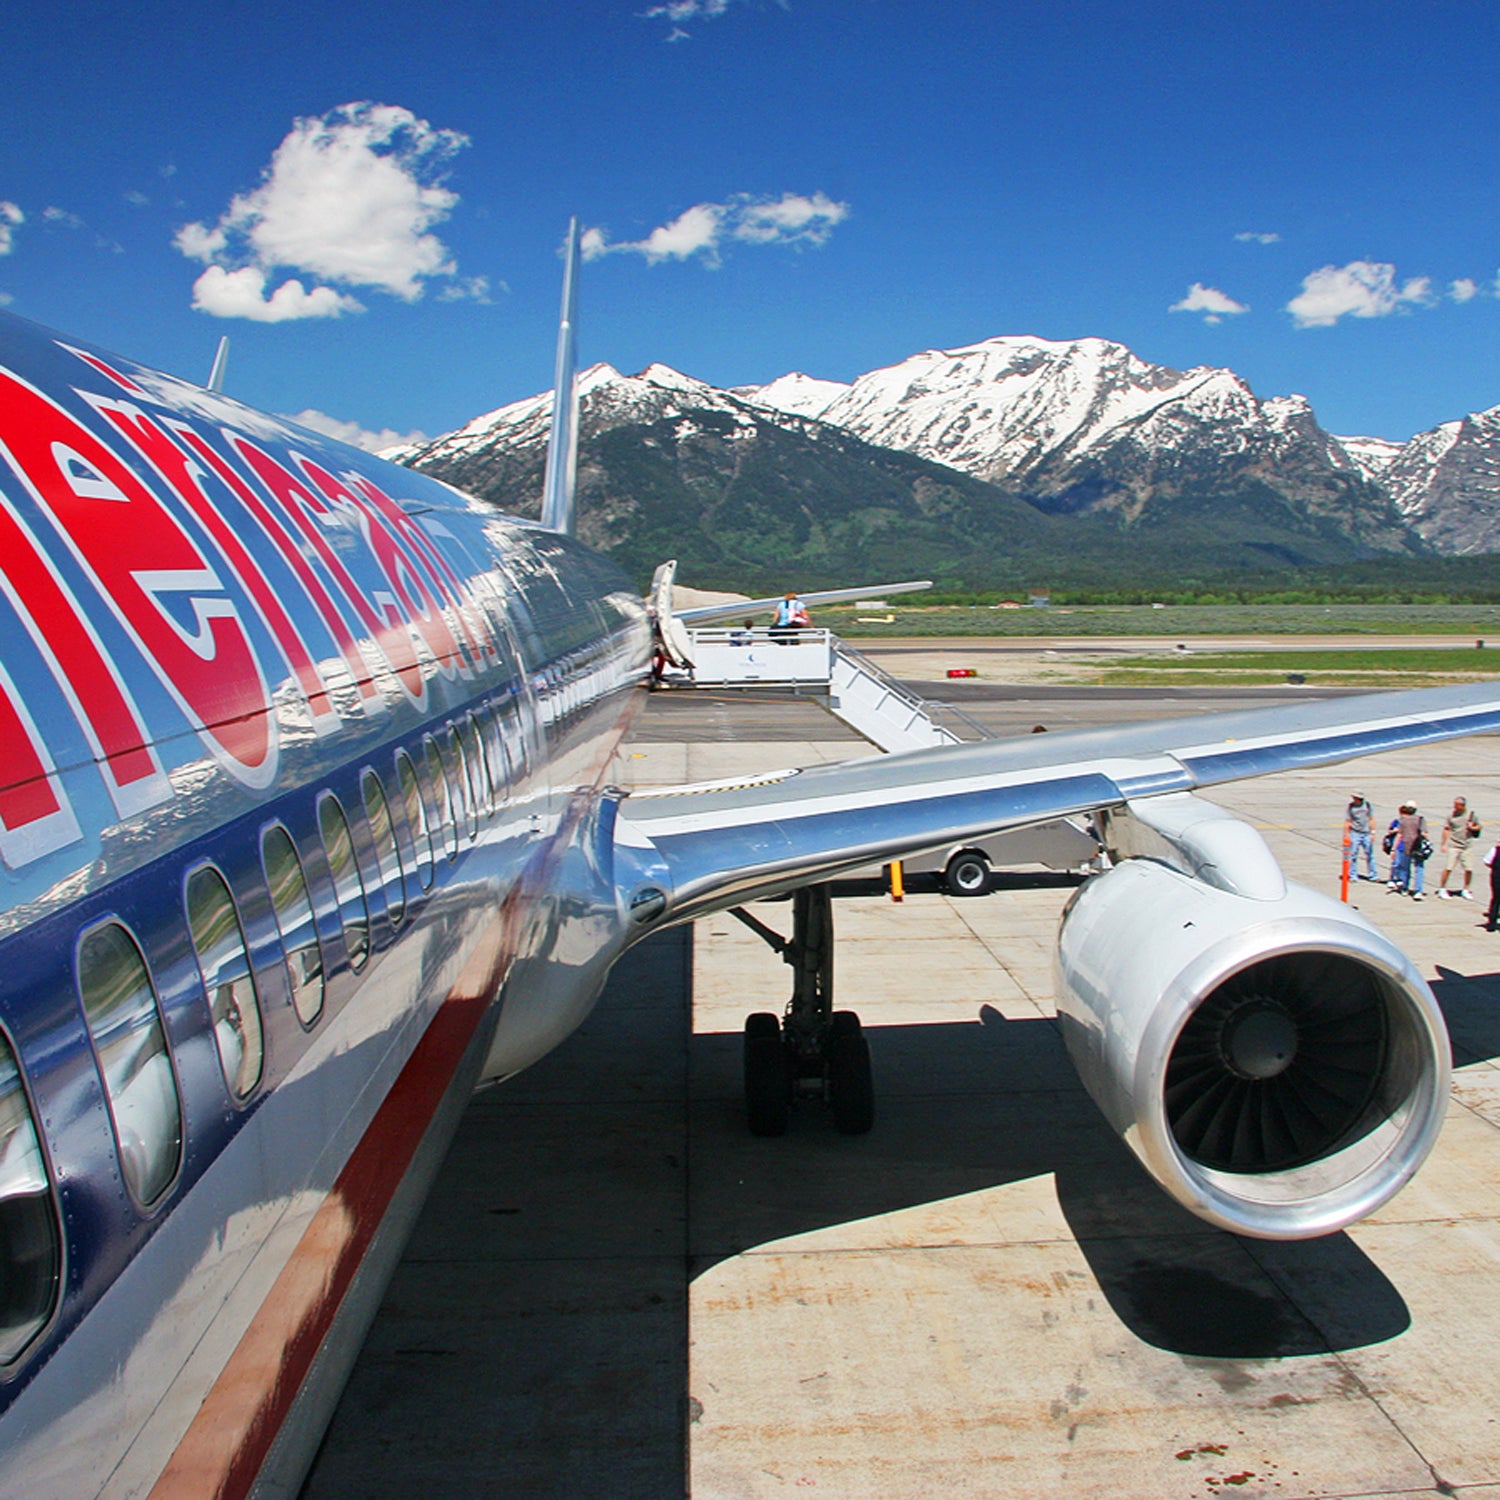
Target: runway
(616, 1291)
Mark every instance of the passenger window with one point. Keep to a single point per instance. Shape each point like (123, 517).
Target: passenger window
(294, 920)
(494, 753)
(479, 767)
(30, 1245)
(349, 888)
(437, 774)
(416, 817)
(234, 1007)
(464, 776)
(119, 1004)
(383, 834)
(514, 739)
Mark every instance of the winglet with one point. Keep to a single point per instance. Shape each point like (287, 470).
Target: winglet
(562, 449)
(221, 364)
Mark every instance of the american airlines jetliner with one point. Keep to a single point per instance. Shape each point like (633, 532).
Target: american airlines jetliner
(306, 834)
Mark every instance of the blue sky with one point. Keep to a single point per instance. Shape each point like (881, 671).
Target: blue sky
(1304, 193)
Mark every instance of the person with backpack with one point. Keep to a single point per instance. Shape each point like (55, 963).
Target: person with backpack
(1411, 852)
(1460, 829)
(791, 616)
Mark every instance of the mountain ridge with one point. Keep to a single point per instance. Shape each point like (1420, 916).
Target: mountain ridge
(1096, 447)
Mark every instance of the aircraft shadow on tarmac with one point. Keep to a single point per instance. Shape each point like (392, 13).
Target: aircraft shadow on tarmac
(538, 1325)
(964, 1108)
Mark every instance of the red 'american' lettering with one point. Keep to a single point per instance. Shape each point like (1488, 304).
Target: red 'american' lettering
(306, 509)
(173, 464)
(139, 557)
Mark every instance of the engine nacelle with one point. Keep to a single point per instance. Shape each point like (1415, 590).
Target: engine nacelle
(1276, 1063)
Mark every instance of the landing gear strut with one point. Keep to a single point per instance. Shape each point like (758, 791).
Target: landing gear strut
(812, 1051)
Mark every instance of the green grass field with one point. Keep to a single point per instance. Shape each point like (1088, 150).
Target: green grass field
(1179, 621)
(1376, 667)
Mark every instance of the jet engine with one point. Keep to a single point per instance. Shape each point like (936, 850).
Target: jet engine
(1275, 1062)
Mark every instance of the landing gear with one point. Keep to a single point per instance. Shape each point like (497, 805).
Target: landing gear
(813, 1051)
(967, 874)
(768, 1080)
(851, 1088)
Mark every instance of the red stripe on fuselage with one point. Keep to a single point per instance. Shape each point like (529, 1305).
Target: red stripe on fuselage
(224, 1447)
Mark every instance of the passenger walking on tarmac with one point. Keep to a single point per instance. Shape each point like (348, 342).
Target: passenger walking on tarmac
(791, 616)
(1492, 859)
(1410, 854)
(1359, 824)
(1460, 829)
(1391, 844)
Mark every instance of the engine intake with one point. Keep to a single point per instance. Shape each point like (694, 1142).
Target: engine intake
(1276, 1063)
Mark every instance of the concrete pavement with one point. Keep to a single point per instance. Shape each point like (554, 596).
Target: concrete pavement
(617, 1291)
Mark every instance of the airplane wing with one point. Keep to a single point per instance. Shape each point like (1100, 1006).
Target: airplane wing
(715, 846)
(1275, 1062)
(707, 614)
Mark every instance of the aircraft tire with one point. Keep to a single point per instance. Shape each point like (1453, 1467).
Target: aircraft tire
(967, 874)
(851, 1085)
(767, 1077)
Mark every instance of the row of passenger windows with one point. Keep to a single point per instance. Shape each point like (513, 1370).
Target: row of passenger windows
(446, 785)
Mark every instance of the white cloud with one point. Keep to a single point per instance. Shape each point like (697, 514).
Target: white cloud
(350, 198)
(62, 218)
(353, 434)
(10, 217)
(678, 11)
(1250, 237)
(469, 289)
(242, 294)
(791, 219)
(136, 199)
(1362, 289)
(1211, 302)
(1465, 289)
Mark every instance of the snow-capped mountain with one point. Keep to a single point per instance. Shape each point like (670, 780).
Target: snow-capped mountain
(1087, 426)
(1131, 460)
(606, 399)
(1446, 483)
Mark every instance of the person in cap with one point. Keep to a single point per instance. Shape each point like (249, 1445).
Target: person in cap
(1359, 824)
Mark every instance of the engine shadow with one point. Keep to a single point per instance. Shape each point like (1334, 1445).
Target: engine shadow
(964, 1108)
(538, 1322)
(1470, 1004)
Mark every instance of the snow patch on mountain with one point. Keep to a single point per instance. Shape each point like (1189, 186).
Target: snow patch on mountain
(801, 395)
(1371, 456)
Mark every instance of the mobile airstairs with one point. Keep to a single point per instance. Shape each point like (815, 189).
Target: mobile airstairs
(816, 664)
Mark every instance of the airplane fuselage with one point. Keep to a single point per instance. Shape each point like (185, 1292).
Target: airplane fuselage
(299, 750)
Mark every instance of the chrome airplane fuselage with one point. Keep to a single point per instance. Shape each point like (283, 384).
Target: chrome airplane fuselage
(303, 757)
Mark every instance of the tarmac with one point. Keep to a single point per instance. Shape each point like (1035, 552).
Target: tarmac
(616, 1291)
